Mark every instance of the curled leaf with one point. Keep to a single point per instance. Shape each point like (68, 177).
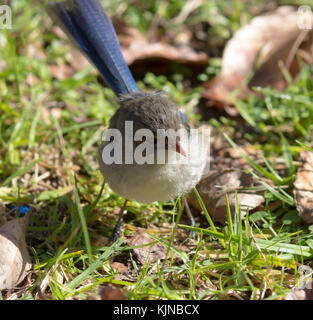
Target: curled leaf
(303, 191)
(157, 54)
(153, 252)
(257, 49)
(14, 258)
(214, 187)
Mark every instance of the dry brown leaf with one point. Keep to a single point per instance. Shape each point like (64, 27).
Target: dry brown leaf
(303, 191)
(110, 292)
(14, 258)
(183, 54)
(136, 47)
(118, 266)
(266, 40)
(152, 252)
(214, 187)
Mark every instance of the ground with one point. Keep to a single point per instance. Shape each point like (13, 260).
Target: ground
(53, 109)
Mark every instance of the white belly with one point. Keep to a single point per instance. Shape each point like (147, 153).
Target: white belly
(154, 182)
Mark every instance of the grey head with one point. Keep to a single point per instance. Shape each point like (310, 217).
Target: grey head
(148, 111)
(153, 112)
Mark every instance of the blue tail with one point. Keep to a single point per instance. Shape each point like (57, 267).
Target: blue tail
(86, 24)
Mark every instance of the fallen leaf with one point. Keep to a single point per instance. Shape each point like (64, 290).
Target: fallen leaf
(120, 267)
(110, 292)
(152, 252)
(261, 44)
(183, 54)
(303, 191)
(14, 258)
(213, 189)
(140, 49)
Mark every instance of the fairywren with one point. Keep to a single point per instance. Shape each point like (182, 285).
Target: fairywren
(149, 152)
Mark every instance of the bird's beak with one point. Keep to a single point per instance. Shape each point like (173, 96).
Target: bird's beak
(180, 149)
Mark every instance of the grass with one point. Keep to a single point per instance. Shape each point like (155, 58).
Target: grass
(49, 132)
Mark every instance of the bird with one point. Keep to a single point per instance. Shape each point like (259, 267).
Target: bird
(149, 152)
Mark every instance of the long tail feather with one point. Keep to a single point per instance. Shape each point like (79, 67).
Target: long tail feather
(87, 25)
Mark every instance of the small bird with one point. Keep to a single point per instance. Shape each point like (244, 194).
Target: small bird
(149, 152)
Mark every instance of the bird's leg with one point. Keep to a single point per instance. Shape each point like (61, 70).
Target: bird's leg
(118, 227)
(190, 216)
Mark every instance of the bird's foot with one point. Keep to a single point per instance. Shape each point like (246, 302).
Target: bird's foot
(117, 231)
